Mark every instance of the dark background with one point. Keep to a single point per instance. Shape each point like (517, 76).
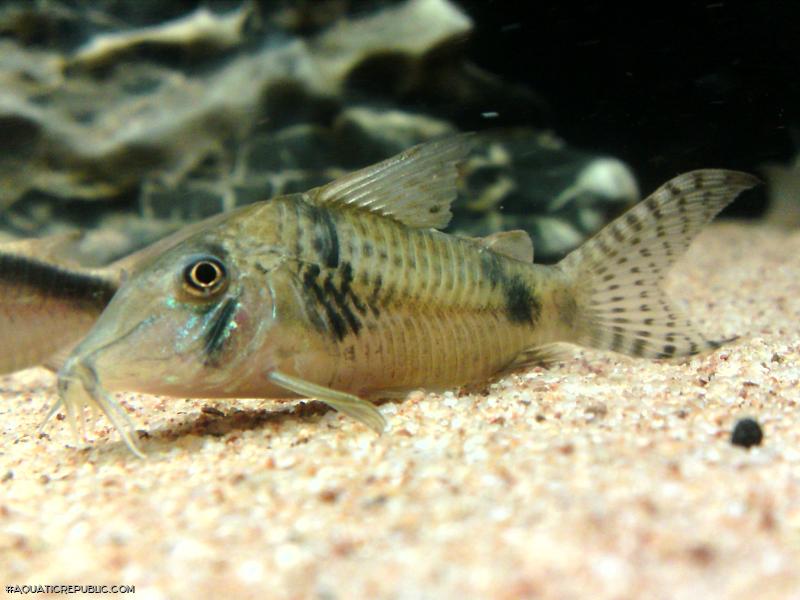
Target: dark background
(667, 87)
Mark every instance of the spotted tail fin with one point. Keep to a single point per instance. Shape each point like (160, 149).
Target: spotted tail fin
(617, 274)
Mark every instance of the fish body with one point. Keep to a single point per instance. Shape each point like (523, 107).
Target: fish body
(47, 304)
(346, 299)
(349, 292)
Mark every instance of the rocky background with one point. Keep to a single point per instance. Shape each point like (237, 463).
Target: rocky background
(130, 119)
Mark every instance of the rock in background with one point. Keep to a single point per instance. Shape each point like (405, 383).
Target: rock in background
(131, 119)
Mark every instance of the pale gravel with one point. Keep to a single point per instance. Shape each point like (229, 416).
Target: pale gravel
(599, 477)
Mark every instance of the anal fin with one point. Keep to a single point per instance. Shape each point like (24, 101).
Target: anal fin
(361, 410)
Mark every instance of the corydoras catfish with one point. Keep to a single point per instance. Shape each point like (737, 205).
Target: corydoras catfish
(349, 292)
(47, 302)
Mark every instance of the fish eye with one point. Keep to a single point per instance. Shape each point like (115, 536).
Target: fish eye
(203, 277)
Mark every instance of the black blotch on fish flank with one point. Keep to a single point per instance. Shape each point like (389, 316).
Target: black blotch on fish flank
(312, 286)
(348, 291)
(216, 335)
(521, 304)
(340, 297)
(347, 277)
(309, 277)
(336, 297)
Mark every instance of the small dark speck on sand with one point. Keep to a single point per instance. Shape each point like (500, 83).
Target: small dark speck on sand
(747, 432)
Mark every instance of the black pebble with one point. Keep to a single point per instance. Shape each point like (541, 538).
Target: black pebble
(747, 432)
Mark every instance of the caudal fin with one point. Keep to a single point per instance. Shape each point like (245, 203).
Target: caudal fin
(617, 273)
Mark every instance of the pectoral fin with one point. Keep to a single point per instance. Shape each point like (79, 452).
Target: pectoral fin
(352, 406)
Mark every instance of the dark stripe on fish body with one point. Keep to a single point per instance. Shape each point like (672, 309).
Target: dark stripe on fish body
(323, 298)
(521, 303)
(492, 268)
(217, 334)
(326, 236)
(298, 224)
(311, 285)
(55, 281)
(347, 277)
(340, 298)
(375, 295)
(347, 290)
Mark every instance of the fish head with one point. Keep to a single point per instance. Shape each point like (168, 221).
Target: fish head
(176, 322)
(182, 323)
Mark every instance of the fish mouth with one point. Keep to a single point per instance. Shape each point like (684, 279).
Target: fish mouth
(102, 356)
(79, 387)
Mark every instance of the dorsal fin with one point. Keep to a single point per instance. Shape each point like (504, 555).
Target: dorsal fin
(516, 244)
(415, 187)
